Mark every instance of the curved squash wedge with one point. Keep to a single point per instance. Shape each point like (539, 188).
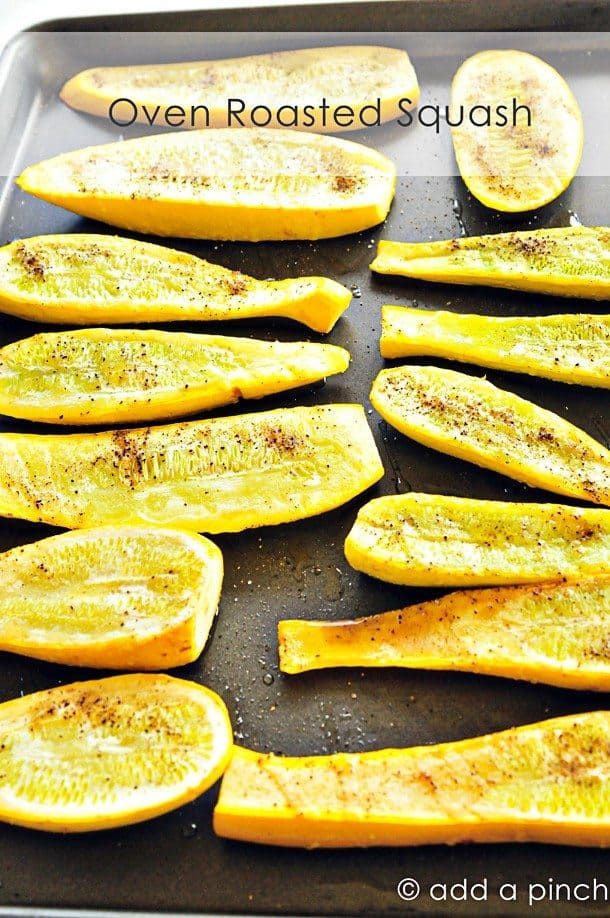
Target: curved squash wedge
(469, 418)
(248, 184)
(553, 632)
(545, 782)
(110, 752)
(563, 261)
(125, 597)
(80, 279)
(221, 475)
(528, 161)
(343, 76)
(440, 541)
(97, 375)
(566, 348)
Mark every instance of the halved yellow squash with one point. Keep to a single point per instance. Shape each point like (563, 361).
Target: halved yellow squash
(110, 752)
(470, 418)
(563, 261)
(290, 84)
(545, 782)
(83, 279)
(118, 597)
(221, 475)
(567, 348)
(98, 375)
(436, 540)
(249, 184)
(527, 152)
(552, 632)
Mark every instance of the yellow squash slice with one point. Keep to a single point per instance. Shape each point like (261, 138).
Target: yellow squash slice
(222, 475)
(84, 279)
(111, 752)
(530, 151)
(564, 261)
(468, 417)
(126, 597)
(435, 540)
(553, 632)
(97, 375)
(567, 348)
(291, 84)
(545, 782)
(248, 184)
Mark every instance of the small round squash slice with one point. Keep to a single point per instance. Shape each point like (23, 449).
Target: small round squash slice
(110, 752)
(530, 160)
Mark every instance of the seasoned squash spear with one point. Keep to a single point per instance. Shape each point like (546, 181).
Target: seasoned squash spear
(470, 418)
(436, 540)
(248, 184)
(545, 782)
(562, 261)
(85, 279)
(221, 475)
(552, 632)
(566, 348)
(97, 375)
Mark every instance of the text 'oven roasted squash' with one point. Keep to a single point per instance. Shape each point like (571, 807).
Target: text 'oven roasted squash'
(286, 87)
(83, 279)
(470, 418)
(530, 159)
(555, 633)
(562, 261)
(118, 597)
(110, 752)
(249, 184)
(566, 348)
(221, 475)
(545, 782)
(98, 375)
(436, 540)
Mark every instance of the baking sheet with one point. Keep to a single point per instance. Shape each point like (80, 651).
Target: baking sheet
(175, 863)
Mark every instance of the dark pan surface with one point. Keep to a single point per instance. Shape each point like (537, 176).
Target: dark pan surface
(175, 863)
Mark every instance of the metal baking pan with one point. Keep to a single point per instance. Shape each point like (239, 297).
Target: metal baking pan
(175, 863)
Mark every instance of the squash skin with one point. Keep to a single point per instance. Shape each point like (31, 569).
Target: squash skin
(299, 77)
(100, 375)
(438, 541)
(571, 261)
(56, 744)
(542, 782)
(551, 633)
(220, 475)
(468, 417)
(516, 168)
(149, 283)
(567, 348)
(343, 187)
(128, 597)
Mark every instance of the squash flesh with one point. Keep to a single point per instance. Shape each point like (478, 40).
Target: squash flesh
(109, 752)
(353, 75)
(436, 540)
(95, 376)
(212, 184)
(470, 418)
(119, 597)
(521, 166)
(553, 632)
(545, 782)
(563, 261)
(80, 279)
(221, 475)
(566, 348)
